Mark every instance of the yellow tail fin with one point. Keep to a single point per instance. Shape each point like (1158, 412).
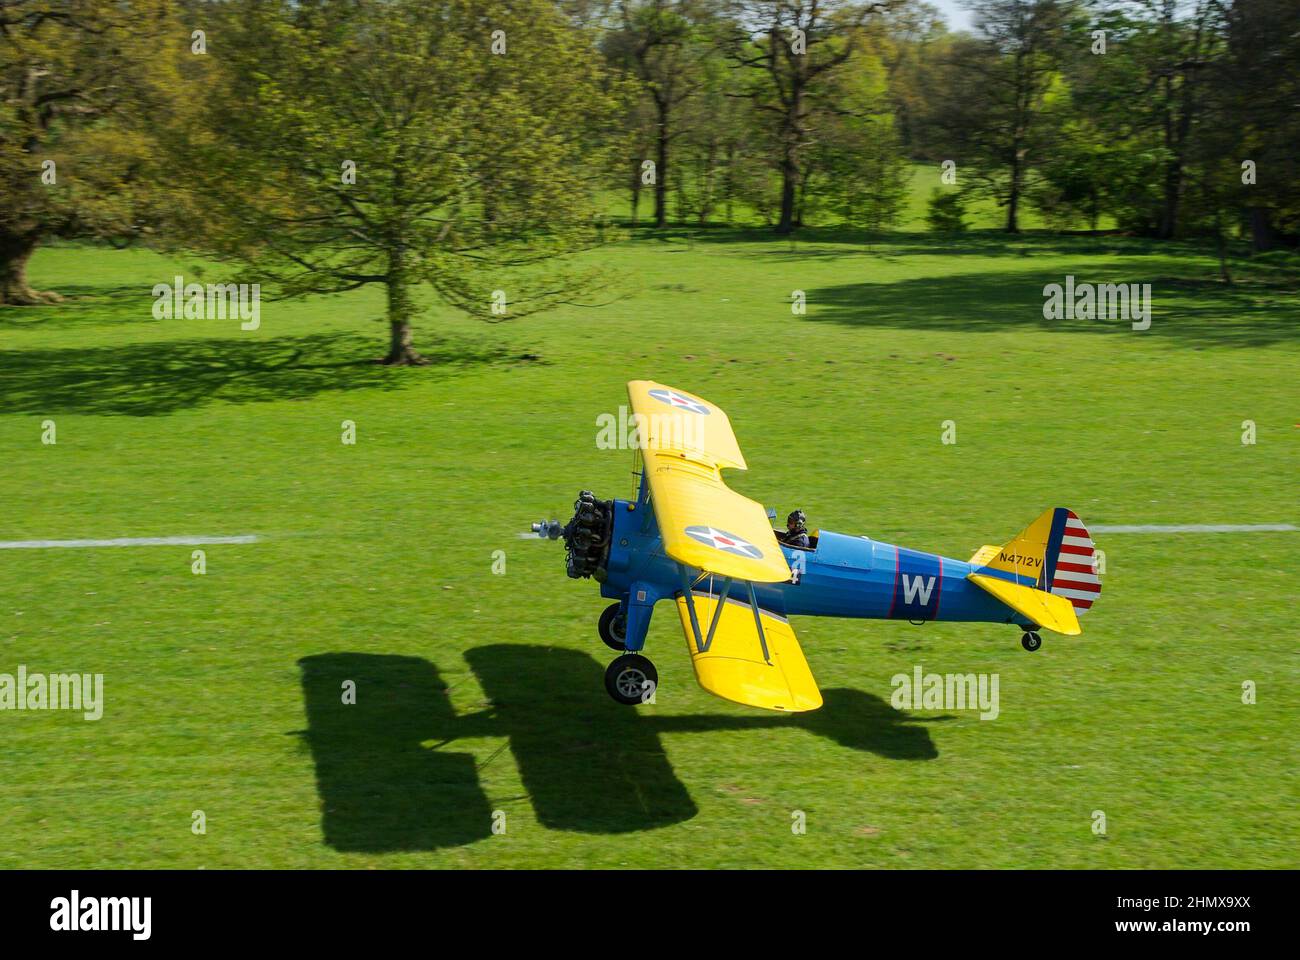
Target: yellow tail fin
(1055, 554)
(1024, 554)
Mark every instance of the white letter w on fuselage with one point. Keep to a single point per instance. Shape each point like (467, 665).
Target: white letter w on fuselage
(912, 588)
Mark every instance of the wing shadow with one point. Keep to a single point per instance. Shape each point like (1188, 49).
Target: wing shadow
(588, 765)
(380, 790)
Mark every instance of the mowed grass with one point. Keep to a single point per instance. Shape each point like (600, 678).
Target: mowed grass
(480, 691)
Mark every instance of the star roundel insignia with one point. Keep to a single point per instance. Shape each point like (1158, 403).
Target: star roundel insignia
(680, 401)
(726, 542)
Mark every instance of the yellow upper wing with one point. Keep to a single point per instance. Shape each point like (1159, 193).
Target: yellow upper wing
(674, 421)
(685, 443)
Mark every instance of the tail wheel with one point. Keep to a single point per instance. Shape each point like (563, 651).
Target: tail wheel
(631, 679)
(613, 627)
(1031, 641)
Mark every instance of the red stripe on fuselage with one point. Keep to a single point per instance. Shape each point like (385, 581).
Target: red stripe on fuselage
(898, 562)
(938, 590)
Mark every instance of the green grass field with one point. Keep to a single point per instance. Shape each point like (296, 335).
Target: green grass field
(481, 692)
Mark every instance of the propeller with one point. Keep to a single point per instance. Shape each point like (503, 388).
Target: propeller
(544, 530)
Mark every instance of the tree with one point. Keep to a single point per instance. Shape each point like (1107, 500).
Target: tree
(801, 46)
(1148, 97)
(453, 143)
(1173, 44)
(78, 79)
(718, 147)
(991, 102)
(664, 43)
(855, 167)
(1256, 87)
(913, 33)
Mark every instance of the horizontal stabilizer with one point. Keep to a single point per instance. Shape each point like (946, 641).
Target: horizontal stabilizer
(1042, 608)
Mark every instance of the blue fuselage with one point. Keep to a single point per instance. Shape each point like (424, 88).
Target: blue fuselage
(845, 576)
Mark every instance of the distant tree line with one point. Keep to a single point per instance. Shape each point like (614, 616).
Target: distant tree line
(1167, 117)
(326, 145)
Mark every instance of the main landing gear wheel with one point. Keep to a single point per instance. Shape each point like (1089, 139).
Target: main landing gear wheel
(613, 628)
(631, 679)
(1031, 641)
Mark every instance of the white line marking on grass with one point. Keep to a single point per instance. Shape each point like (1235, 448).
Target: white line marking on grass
(126, 542)
(1195, 528)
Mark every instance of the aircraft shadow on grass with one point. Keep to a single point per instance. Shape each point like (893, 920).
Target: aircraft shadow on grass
(391, 779)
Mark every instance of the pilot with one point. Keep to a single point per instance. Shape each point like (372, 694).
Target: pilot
(796, 531)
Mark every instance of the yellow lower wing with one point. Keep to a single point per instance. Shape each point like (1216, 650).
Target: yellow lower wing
(733, 667)
(1045, 609)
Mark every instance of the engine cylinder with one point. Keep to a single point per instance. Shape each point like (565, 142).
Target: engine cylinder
(587, 536)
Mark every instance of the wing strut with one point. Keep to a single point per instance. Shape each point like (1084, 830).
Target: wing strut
(689, 594)
(702, 642)
(758, 622)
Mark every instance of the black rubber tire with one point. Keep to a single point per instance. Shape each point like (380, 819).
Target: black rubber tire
(1031, 641)
(625, 678)
(613, 628)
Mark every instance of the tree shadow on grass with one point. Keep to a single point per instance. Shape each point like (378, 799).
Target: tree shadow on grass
(845, 242)
(840, 240)
(1194, 313)
(392, 776)
(161, 377)
(84, 305)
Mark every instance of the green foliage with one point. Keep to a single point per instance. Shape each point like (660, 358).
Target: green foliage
(475, 171)
(994, 92)
(856, 168)
(80, 84)
(946, 211)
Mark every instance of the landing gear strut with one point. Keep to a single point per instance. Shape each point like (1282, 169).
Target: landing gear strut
(613, 627)
(1031, 641)
(631, 679)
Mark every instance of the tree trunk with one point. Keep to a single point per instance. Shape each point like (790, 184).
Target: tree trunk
(790, 158)
(802, 201)
(15, 251)
(1261, 230)
(730, 181)
(400, 351)
(789, 178)
(1176, 133)
(708, 197)
(789, 186)
(1221, 244)
(661, 170)
(1173, 190)
(636, 189)
(1013, 198)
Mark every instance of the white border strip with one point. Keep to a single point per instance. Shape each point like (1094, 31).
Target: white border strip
(1195, 528)
(126, 542)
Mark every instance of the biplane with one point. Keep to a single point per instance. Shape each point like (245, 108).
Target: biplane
(713, 554)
